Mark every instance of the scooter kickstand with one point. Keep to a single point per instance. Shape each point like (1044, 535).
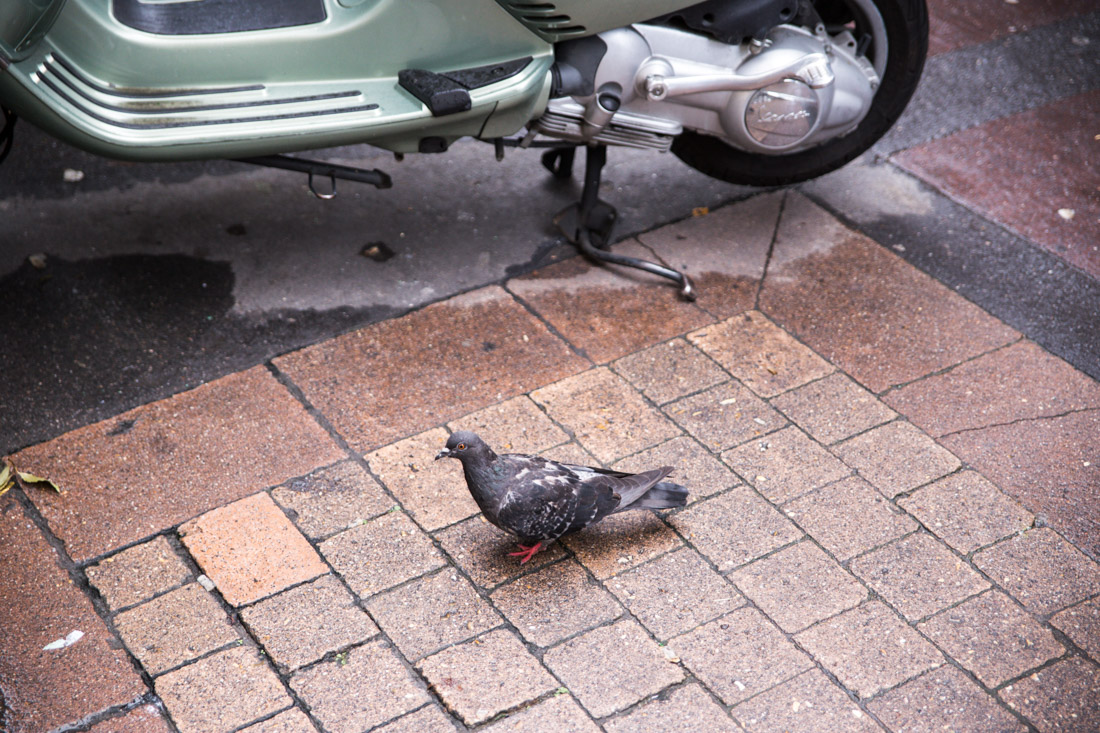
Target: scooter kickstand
(589, 222)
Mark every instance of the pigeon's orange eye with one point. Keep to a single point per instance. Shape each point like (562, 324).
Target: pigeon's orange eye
(462, 446)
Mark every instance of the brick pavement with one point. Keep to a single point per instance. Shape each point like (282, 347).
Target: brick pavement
(840, 566)
(893, 522)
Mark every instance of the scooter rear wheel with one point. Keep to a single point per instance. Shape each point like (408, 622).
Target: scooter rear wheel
(906, 24)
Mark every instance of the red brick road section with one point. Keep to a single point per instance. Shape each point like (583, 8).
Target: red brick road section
(871, 462)
(44, 689)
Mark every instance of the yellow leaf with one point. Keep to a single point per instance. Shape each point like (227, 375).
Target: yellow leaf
(30, 478)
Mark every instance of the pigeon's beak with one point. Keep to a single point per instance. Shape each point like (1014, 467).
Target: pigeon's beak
(445, 453)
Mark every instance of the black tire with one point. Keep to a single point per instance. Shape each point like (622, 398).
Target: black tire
(906, 24)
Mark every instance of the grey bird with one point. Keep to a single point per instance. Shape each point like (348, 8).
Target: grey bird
(539, 500)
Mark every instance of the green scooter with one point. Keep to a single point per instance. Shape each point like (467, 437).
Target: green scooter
(756, 92)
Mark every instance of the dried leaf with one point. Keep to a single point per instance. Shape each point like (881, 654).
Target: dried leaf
(6, 479)
(30, 478)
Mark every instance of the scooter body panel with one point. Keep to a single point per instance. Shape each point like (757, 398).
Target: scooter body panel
(127, 93)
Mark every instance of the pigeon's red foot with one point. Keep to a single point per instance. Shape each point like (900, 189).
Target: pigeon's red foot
(526, 552)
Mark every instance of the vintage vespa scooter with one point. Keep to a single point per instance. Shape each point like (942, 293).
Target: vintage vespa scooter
(757, 92)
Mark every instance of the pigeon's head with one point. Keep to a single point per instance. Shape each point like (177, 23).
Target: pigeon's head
(465, 445)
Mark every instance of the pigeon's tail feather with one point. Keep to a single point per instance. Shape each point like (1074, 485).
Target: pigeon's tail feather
(665, 495)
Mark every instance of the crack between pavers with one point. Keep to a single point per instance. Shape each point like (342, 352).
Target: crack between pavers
(771, 251)
(942, 371)
(1019, 421)
(522, 302)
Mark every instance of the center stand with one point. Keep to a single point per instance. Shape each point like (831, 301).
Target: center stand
(588, 224)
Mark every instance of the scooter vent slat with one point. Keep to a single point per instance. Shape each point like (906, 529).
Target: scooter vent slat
(544, 19)
(152, 109)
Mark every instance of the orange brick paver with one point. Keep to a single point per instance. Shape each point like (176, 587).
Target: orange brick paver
(852, 558)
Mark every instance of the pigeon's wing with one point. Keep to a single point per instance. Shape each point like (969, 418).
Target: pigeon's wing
(550, 500)
(628, 487)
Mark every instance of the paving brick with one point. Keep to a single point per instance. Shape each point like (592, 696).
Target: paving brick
(954, 25)
(740, 655)
(994, 389)
(849, 517)
(734, 528)
(887, 322)
(675, 593)
(1081, 623)
(918, 576)
(382, 553)
(724, 252)
(433, 492)
(427, 719)
(1041, 570)
(798, 586)
(869, 649)
(785, 465)
(1060, 698)
(668, 371)
(142, 719)
(570, 453)
(560, 714)
(432, 612)
(357, 691)
(607, 416)
(631, 667)
(806, 704)
(139, 573)
(762, 356)
(724, 416)
(155, 466)
(944, 699)
(481, 550)
(612, 296)
(303, 624)
(361, 381)
(579, 603)
(966, 511)
(250, 549)
(833, 408)
(45, 689)
(992, 637)
(896, 458)
(486, 676)
(1051, 469)
(175, 628)
(332, 499)
(222, 692)
(700, 472)
(288, 721)
(687, 709)
(1055, 170)
(513, 426)
(621, 541)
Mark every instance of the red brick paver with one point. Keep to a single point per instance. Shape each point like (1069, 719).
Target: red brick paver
(158, 465)
(1046, 189)
(612, 667)
(250, 549)
(470, 351)
(612, 296)
(954, 25)
(863, 308)
(724, 252)
(44, 689)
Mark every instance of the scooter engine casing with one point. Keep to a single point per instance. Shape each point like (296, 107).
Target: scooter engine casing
(816, 89)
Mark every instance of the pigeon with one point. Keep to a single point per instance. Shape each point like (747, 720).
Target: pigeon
(539, 500)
